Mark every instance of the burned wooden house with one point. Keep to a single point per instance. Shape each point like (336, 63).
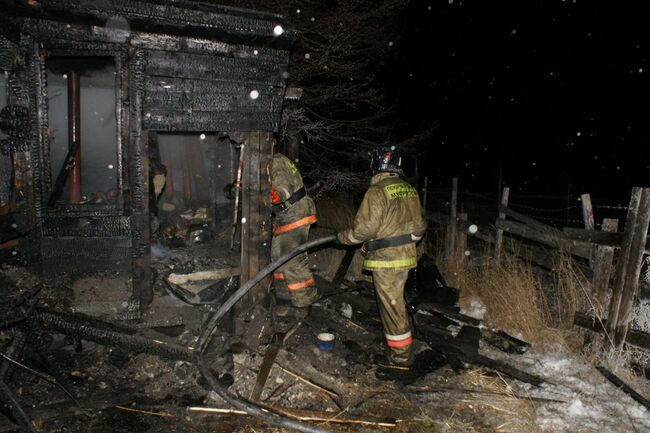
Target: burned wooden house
(102, 100)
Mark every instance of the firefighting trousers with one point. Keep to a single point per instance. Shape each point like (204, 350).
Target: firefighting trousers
(389, 285)
(294, 275)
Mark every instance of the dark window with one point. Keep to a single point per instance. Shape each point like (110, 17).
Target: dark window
(94, 80)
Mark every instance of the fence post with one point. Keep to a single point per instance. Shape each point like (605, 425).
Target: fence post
(453, 223)
(588, 218)
(602, 266)
(629, 266)
(502, 216)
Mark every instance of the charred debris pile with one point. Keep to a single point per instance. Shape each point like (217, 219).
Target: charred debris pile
(61, 368)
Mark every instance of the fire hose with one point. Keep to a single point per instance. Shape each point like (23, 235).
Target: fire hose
(211, 325)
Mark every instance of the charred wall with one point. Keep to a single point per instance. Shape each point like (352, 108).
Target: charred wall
(199, 70)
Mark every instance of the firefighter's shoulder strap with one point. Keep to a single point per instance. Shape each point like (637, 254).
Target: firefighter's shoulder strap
(394, 241)
(279, 207)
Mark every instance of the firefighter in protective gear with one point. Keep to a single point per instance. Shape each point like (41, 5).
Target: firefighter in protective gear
(389, 222)
(294, 212)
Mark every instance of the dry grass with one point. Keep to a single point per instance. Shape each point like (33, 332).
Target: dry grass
(519, 299)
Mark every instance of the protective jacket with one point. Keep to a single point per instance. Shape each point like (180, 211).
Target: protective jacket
(294, 213)
(285, 182)
(390, 208)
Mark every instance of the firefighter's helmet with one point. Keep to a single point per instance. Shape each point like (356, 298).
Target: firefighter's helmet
(385, 158)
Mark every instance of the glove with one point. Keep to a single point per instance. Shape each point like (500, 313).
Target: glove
(364, 249)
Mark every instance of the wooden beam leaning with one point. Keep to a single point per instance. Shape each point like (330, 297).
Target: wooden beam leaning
(621, 269)
(602, 266)
(631, 285)
(580, 249)
(256, 227)
(502, 217)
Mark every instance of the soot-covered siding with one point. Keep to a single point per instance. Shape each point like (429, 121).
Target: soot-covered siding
(181, 67)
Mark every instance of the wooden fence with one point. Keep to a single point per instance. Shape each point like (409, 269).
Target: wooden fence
(609, 258)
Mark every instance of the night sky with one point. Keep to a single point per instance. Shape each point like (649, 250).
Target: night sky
(551, 94)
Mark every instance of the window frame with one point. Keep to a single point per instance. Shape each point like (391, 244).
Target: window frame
(119, 57)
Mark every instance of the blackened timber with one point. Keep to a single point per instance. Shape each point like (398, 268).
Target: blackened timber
(200, 121)
(623, 386)
(634, 337)
(104, 38)
(94, 330)
(85, 255)
(217, 68)
(88, 227)
(139, 169)
(211, 98)
(452, 348)
(232, 25)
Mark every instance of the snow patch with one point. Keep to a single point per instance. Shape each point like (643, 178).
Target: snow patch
(476, 309)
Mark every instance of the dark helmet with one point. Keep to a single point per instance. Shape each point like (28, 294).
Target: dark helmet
(385, 158)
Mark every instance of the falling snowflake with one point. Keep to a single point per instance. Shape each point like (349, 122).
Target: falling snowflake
(307, 56)
(202, 136)
(278, 30)
(254, 94)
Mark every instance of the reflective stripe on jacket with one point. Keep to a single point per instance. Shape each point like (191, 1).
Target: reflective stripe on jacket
(285, 180)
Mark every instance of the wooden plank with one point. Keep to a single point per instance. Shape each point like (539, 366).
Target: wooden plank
(213, 99)
(602, 266)
(265, 225)
(587, 212)
(635, 262)
(634, 337)
(622, 267)
(623, 386)
(217, 89)
(502, 217)
(610, 239)
(256, 214)
(214, 67)
(139, 188)
(533, 223)
(581, 249)
(202, 121)
(588, 218)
